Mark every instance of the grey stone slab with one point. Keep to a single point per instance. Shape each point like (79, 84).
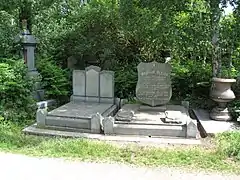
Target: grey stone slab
(95, 68)
(92, 99)
(133, 113)
(150, 108)
(107, 84)
(107, 100)
(79, 83)
(192, 131)
(154, 83)
(108, 123)
(80, 110)
(41, 117)
(72, 122)
(144, 140)
(77, 99)
(212, 127)
(92, 82)
(149, 130)
(30, 58)
(96, 122)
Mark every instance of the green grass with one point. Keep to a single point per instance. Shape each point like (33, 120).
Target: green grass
(217, 159)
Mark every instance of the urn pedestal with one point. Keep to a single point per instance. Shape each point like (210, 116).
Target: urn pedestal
(221, 93)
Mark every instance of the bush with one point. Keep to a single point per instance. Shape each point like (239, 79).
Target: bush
(229, 144)
(126, 81)
(55, 80)
(191, 81)
(235, 109)
(17, 103)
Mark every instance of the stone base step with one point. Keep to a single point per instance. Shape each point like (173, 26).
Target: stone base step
(150, 130)
(69, 122)
(147, 122)
(140, 140)
(66, 129)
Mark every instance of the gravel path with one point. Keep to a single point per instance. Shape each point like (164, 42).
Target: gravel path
(19, 167)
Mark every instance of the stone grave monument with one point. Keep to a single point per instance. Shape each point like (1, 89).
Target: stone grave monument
(92, 100)
(154, 116)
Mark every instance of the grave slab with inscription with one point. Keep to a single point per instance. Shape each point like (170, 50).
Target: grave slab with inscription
(154, 83)
(154, 116)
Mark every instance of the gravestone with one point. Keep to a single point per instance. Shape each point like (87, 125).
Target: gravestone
(154, 116)
(93, 85)
(154, 83)
(92, 100)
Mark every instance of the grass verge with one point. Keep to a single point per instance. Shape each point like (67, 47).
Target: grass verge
(217, 159)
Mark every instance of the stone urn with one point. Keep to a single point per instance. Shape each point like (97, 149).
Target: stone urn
(221, 93)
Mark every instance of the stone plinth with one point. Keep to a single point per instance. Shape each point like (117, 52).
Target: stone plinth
(92, 100)
(131, 120)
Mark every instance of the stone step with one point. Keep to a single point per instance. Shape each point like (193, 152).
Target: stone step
(147, 122)
(67, 129)
(68, 122)
(150, 130)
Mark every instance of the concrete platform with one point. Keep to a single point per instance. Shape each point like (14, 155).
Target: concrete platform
(212, 127)
(78, 115)
(142, 140)
(131, 119)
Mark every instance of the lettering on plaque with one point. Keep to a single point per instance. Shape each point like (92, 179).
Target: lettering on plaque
(154, 83)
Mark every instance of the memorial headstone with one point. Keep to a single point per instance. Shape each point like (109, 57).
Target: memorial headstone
(92, 99)
(154, 83)
(154, 116)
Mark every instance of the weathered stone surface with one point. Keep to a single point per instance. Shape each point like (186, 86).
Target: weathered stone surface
(192, 130)
(150, 130)
(141, 140)
(92, 81)
(108, 123)
(125, 115)
(82, 115)
(212, 127)
(41, 117)
(133, 114)
(80, 110)
(93, 85)
(154, 83)
(150, 108)
(107, 84)
(96, 122)
(79, 85)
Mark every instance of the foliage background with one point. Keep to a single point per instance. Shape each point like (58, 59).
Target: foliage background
(118, 34)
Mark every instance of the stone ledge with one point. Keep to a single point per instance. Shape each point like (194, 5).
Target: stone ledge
(212, 127)
(152, 141)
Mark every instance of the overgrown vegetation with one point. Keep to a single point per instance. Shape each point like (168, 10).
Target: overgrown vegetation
(16, 100)
(229, 144)
(55, 80)
(202, 158)
(117, 35)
